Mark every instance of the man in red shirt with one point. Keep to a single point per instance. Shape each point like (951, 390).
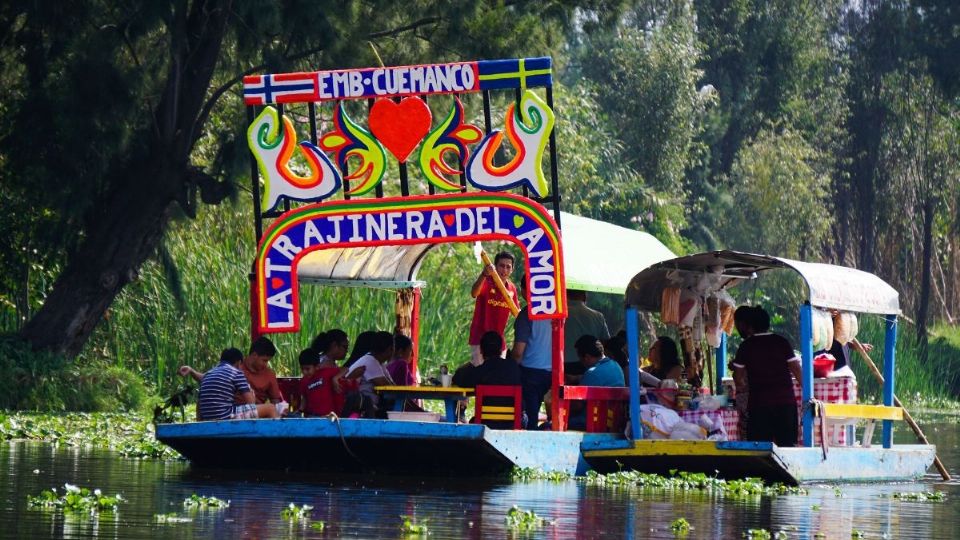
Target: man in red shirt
(491, 311)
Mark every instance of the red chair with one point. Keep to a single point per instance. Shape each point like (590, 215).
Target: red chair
(605, 416)
(498, 412)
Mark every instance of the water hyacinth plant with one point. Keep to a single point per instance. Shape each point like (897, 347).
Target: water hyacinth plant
(171, 517)
(410, 526)
(199, 501)
(127, 433)
(933, 496)
(686, 481)
(526, 474)
(525, 520)
(680, 527)
(296, 513)
(75, 498)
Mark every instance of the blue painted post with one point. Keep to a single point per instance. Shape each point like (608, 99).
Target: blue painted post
(889, 360)
(721, 364)
(806, 370)
(633, 351)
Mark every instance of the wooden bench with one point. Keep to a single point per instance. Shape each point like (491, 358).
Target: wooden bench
(606, 405)
(848, 414)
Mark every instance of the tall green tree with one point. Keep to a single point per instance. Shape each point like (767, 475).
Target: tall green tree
(118, 113)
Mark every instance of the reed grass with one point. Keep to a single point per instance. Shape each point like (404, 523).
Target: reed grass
(916, 382)
(150, 328)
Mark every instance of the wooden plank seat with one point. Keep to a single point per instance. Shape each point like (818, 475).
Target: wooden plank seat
(495, 411)
(606, 406)
(844, 415)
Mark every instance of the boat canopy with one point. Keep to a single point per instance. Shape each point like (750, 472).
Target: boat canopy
(598, 257)
(830, 286)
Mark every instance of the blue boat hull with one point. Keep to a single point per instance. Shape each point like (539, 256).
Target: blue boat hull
(381, 445)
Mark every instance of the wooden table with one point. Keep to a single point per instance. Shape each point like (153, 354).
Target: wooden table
(450, 395)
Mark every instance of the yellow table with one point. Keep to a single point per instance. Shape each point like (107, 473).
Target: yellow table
(449, 394)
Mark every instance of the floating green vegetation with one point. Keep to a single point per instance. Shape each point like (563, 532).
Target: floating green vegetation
(411, 526)
(757, 534)
(680, 527)
(172, 517)
(296, 513)
(199, 501)
(535, 473)
(837, 492)
(75, 498)
(127, 433)
(933, 496)
(525, 520)
(815, 507)
(856, 534)
(318, 525)
(686, 481)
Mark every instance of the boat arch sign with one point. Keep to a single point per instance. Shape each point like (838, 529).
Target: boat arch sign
(461, 217)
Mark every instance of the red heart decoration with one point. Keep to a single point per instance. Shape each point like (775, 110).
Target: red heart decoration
(400, 126)
(448, 219)
(276, 283)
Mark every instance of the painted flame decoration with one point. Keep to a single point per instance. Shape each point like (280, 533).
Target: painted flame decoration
(529, 143)
(451, 136)
(348, 140)
(274, 150)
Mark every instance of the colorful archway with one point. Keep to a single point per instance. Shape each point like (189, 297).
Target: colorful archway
(461, 217)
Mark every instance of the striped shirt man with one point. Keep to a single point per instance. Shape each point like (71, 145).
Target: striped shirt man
(217, 390)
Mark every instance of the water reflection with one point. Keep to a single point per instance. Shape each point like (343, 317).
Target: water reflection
(371, 506)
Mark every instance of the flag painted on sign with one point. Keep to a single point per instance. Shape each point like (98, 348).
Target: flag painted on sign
(279, 88)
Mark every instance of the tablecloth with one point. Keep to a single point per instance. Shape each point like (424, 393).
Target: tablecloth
(727, 416)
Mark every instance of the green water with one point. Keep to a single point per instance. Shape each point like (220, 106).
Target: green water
(370, 506)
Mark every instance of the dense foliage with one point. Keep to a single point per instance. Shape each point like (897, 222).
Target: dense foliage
(815, 129)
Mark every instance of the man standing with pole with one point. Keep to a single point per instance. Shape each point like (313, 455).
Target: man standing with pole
(496, 299)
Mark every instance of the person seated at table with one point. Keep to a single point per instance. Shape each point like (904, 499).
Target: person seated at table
(600, 370)
(399, 367)
(664, 360)
(768, 361)
(262, 379)
(221, 385)
(320, 394)
(360, 347)
(331, 347)
(374, 374)
(495, 370)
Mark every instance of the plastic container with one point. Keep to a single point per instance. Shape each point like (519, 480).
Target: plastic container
(823, 365)
(414, 416)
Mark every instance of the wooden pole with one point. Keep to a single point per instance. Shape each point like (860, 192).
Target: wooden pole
(906, 414)
(500, 286)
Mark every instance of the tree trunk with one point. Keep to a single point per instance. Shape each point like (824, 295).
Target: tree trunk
(109, 259)
(129, 222)
(923, 305)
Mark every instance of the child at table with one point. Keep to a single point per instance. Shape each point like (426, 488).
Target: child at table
(399, 367)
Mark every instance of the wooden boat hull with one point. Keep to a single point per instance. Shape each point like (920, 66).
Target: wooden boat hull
(382, 445)
(736, 459)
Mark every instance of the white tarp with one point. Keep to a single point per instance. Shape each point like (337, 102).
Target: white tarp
(830, 286)
(598, 257)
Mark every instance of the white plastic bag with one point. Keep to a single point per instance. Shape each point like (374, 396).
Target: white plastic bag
(657, 421)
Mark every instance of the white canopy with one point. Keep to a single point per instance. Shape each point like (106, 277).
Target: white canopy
(830, 286)
(598, 257)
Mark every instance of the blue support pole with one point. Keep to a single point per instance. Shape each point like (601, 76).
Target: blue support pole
(633, 351)
(889, 362)
(721, 364)
(806, 370)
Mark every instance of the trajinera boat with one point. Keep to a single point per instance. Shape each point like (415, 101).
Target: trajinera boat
(329, 223)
